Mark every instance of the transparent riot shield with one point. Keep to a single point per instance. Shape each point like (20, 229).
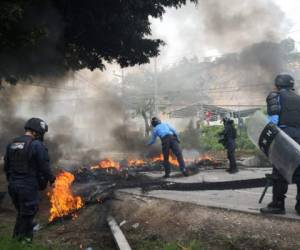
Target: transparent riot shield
(282, 151)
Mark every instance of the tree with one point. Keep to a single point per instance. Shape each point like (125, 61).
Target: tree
(191, 137)
(146, 109)
(51, 37)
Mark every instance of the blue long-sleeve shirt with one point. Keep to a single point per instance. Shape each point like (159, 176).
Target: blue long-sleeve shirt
(273, 119)
(161, 130)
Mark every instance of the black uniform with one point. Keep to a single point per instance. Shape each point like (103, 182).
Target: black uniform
(169, 139)
(228, 140)
(170, 142)
(285, 104)
(27, 169)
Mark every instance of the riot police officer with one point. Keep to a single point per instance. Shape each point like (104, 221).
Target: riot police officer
(228, 136)
(27, 169)
(283, 107)
(170, 141)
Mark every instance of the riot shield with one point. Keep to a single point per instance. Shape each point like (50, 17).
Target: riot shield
(282, 151)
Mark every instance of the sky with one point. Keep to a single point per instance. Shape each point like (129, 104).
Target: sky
(185, 36)
(291, 8)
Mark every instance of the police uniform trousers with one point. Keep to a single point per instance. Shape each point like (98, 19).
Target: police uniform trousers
(25, 199)
(230, 146)
(169, 142)
(280, 185)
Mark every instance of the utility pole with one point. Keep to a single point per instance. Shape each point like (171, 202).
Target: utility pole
(122, 81)
(155, 88)
(122, 76)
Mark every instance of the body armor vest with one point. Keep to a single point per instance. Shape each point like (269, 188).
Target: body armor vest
(273, 103)
(19, 156)
(290, 109)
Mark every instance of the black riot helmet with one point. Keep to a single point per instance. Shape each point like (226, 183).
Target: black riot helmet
(155, 121)
(284, 81)
(225, 120)
(37, 125)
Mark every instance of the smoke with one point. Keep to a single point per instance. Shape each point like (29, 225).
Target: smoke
(80, 118)
(256, 65)
(9, 124)
(133, 142)
(248, 34)
(86, 115)
(232, 25)
(214, 27)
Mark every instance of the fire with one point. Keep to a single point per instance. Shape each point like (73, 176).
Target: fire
(106, 164)
(62, 200)
(172, 159)
(206, 158)
(135, 162)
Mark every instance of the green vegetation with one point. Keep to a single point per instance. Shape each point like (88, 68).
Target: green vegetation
(53, 37)
(193, 245)
(243, 142)
(191, 137)
(157, 244)
(201, 243)
(6, 243)
(210, 138)
(206, 139)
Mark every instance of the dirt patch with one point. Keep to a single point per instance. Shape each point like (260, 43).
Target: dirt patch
(150, 223)
(172, 221)
(88, 229)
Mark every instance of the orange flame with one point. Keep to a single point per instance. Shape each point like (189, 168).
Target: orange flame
(106, 164)
(172, 159)
(135, 162)
(206, 158)
(62, 200)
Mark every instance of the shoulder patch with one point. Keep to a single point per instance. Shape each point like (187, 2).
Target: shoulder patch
(17, 145)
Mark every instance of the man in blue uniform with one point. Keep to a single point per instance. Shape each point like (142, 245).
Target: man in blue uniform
(283, 107)
(27, 169)
(170, 141)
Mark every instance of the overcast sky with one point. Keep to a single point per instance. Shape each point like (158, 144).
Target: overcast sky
(184, 32)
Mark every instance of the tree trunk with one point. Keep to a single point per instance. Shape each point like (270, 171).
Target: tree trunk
(147, 126)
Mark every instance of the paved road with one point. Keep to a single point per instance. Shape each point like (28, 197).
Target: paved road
(245, 200)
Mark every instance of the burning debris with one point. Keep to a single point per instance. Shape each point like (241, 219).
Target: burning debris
(97, 182)
(207, 160)
(107, 164)
(172, 159)
(62, 200)
(155, 163)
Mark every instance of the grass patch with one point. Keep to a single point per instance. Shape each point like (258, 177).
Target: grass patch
(6, 243)
(154, 242)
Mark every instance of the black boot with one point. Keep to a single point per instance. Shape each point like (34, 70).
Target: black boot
(297, 206)
(275, 207)
(167, 175)
(185, 173)
(232, 170)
